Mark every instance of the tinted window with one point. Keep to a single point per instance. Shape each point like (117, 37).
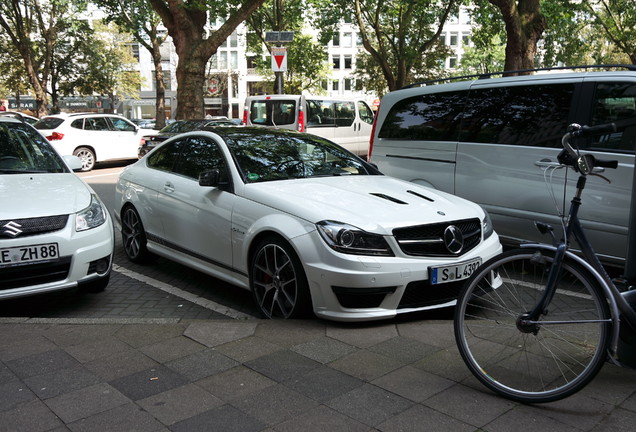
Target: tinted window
(22, 149)
(366, 115)
(320, 113)
(48, 123)
(273, 112)
(78, 124)
(525, 115)
(345, 113)
(262, 156)
(433, 116)
(121, 124)
(163, 158)
(96, 124)
(199, 154)
(615, 103)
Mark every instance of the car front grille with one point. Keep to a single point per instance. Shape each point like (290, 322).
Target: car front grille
(34, 274)
(11, 228)
(428, 240)
(422, 293)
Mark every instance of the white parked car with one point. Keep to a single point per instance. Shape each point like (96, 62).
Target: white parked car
(93, 137)
(54, 232)
(301, 222)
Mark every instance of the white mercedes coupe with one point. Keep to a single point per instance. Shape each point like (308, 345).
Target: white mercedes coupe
(302, 223)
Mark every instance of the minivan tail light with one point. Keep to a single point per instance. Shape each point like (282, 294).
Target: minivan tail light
(301, 121)
(375, 122)
(245, 114)
(55, 136)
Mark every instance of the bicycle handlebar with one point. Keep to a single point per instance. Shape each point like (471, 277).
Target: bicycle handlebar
(584, 164)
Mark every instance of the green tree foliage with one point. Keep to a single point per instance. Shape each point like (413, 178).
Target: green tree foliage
(400, 36)
(616, 19)
(34, 28)
(192, 26)
(139, 19)
(108, 67)
(307, 63)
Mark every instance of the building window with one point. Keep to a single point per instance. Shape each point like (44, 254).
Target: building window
(453, 39)
(234, 60)
(223, 60)
(347, 40)
(336, 61)
(135, 50)
(348, 84)
(234, 40)
(348, 59)
(335, 85)
(336, 40)
(452, 62)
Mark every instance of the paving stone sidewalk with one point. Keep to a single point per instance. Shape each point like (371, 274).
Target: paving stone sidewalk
(258, 375)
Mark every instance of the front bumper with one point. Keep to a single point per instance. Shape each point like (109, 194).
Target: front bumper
(84, 257)
(360, 288)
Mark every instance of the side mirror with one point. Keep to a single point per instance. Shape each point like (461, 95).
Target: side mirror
(215, 178)
(210, 178)
(73, 162)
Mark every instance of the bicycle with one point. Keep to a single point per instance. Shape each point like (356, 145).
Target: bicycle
(537, 323)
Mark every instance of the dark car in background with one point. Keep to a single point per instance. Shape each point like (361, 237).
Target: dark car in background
(149, 142)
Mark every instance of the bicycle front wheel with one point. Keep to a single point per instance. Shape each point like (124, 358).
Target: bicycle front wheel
(542, 362)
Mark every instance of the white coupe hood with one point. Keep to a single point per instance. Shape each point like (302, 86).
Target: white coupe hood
(35, 195)
(373, 203)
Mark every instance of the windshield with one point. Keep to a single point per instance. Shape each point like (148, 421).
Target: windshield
(24, 150)
(182, 126)
(267, 156)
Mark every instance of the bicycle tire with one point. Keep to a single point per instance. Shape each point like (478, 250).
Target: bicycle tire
(557, 361)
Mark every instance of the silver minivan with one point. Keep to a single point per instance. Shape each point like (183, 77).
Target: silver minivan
(347, 122)
(492, 140)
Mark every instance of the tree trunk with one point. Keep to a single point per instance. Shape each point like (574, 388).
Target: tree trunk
(524, 26)
(160, 97)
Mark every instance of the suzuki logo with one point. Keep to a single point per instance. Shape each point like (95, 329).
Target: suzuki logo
(12, 229)
(454, 239)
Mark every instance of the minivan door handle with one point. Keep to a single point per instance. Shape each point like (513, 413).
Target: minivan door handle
(547, 163)
(168, 187)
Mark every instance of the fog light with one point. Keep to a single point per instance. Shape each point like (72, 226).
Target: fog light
(100, 266)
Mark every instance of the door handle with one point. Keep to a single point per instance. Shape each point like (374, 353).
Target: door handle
(168, 187)
(547, 163)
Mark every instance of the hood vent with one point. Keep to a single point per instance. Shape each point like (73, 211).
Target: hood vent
(420, 195)
(388, 198)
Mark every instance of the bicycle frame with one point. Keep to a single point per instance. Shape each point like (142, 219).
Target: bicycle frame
(617, 302)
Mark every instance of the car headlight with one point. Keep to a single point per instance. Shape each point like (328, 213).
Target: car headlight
(486, 225)
(348, 239)
(92, 216)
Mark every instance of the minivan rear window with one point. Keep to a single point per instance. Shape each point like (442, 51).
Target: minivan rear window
(273, 112)
(431, 117)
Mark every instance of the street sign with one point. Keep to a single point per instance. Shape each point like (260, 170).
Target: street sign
(279, 59)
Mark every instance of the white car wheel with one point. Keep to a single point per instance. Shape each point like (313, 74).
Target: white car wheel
(87, 157)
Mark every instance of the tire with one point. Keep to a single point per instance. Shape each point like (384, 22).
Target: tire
(278, 281)
(532, 365)
(133, 236)
(87, 156)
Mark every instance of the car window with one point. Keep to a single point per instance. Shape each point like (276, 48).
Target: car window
(434, 117)
(273, 112)
(122, 125)
(163, 158)
(320, 113)
(265, 157)
(345, 113)
(366, 115)
(96, 124)
(22, 149)
(536, 115)
(78, 124)
(199, 154)
(615, 103)
(48, 123)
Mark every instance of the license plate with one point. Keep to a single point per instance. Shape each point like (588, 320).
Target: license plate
(455, 272)
(28, 254)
